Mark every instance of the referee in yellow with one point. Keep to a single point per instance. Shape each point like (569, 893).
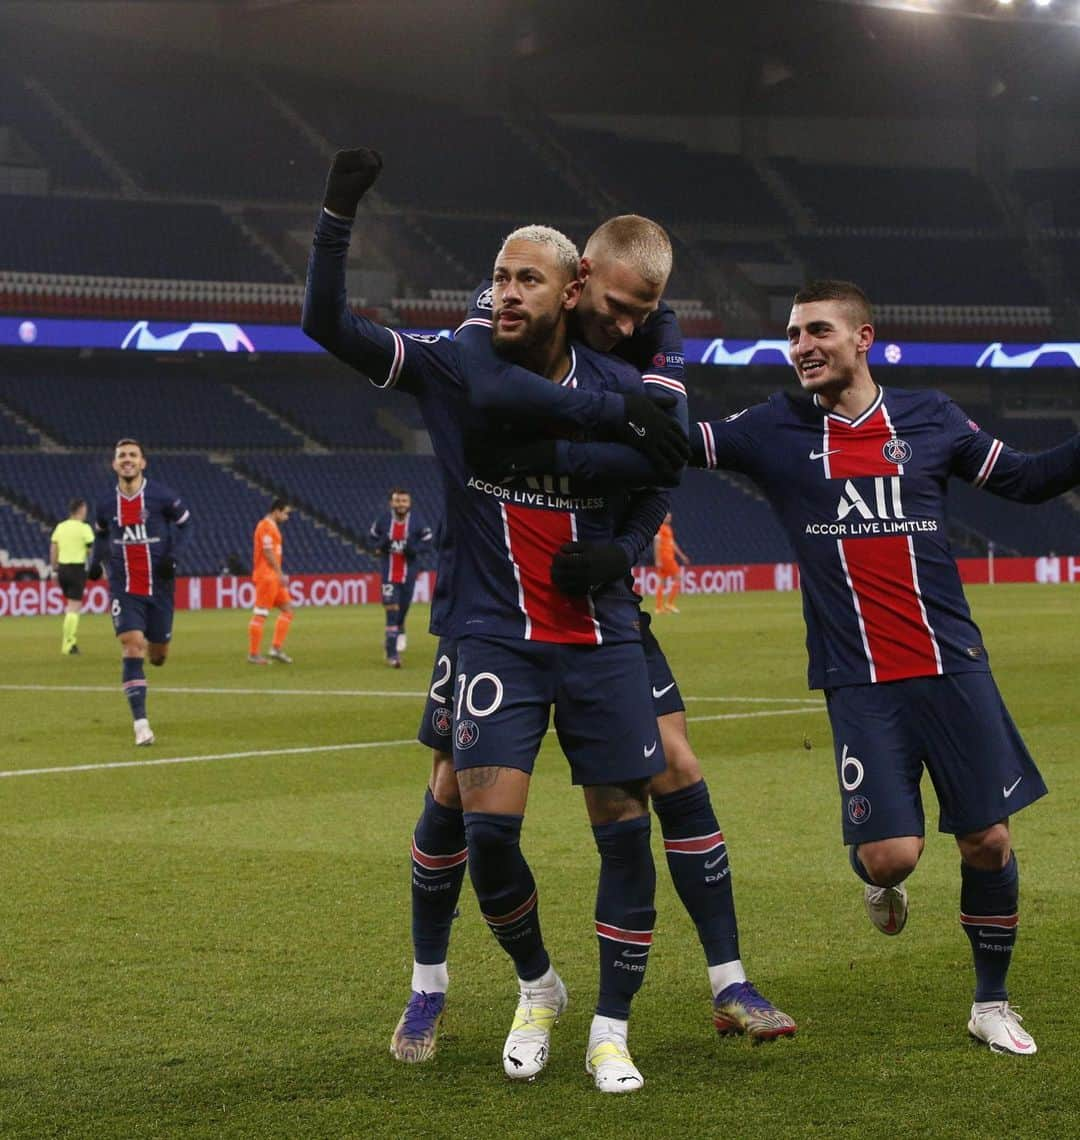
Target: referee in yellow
(70, 543)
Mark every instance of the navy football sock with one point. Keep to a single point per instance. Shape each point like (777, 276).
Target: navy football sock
(989, 902)
(391, 641)
(135, 686)
(625, 914)
(505, 889)
(857, 867)
(698, 861)
(439, 856)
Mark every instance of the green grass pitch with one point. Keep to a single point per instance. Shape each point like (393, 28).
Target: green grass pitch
(219, 947)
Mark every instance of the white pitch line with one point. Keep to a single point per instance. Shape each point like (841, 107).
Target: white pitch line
(750, 715)
(214, 692)
(206, 691)
(202, 759)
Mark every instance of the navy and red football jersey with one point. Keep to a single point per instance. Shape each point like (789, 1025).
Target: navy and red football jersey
(863, 502)
(504, 534)
(398, 541)
(140, 530)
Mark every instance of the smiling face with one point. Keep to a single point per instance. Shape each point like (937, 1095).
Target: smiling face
(401, 503)
(615, 301)
(128, 462)
(828, 346)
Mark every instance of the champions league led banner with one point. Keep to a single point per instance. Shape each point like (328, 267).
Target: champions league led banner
(210, 336)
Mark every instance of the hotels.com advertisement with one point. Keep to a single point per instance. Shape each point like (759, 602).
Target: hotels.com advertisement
(28, 599)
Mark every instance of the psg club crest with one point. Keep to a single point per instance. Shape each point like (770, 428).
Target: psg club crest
(442, 721)
(858, 809)
(467, 734)
(897, 451)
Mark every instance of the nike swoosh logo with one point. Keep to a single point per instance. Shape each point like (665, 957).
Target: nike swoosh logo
(635, 954)
(992, 934)
(822, 454)
(635, 429)
(649, 751)
(709, 865)
(658, 693)
(1006, 792)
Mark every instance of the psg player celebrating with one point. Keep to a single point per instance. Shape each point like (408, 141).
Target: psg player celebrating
(857, 475)
(142, 528)
(523, 646)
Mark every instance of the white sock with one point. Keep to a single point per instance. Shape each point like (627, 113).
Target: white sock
(608, 1027)
(430, 979)
(726, 974)
(545, 981)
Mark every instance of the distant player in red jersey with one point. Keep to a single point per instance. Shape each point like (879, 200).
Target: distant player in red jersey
(141, 527)
(271, 587)
(857, 475)
(666, 551)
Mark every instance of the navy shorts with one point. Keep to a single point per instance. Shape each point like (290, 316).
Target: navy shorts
(505, 689)
(438, 720)
(957, 726)
(153, 615)
(398, 594)
(665, 692)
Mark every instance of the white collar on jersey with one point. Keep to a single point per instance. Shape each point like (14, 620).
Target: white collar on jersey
(862, 417)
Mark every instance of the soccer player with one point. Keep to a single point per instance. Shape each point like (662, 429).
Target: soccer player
(625, 267)
(271, 586)
(70, 543)
(857, 474)
(398, 538)
(142, 528)
(665, 552)
(526, 647)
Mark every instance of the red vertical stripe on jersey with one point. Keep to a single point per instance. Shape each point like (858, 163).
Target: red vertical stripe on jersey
(881, 568)
(532, 538)
(399, 531)
(131, 512)
(891, 613)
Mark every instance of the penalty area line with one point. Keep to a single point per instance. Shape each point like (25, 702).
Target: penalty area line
(164, 760)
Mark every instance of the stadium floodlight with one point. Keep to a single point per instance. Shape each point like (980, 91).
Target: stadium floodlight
(1043, 3)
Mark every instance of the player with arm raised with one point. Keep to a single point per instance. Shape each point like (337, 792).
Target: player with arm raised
(141, 528)
(522, 647)
(857, 475)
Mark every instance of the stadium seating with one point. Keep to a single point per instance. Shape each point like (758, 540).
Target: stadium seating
(117, 238)
(13, 434)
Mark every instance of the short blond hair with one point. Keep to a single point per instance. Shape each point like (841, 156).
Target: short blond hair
(566, 253)
(639, 242)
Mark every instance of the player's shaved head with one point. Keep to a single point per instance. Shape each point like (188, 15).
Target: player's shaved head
(565, 253)
(854, 300)
(639, 242)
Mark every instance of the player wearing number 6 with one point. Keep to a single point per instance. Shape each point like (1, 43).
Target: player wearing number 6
(398, 536)
(857, 475)
(141, 527)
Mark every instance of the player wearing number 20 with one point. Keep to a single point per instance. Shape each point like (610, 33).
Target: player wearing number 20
(857, 475)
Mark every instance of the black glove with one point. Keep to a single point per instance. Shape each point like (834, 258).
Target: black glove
(165, 570)
(505, 460)
(577, 568)
(646, 428)
(352, 174)
(95, 572)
